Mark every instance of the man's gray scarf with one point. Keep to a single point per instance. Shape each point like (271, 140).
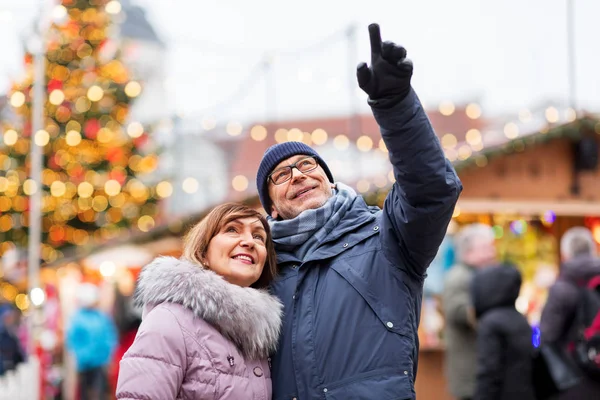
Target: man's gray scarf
(303, 234)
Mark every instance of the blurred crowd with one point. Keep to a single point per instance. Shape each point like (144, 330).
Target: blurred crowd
(493, 353)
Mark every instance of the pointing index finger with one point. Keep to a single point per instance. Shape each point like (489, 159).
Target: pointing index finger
(375, 37)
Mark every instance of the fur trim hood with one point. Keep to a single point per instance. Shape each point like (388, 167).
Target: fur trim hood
(250, 318)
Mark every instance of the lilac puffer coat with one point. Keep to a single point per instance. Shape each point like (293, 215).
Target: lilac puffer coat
(201, 337)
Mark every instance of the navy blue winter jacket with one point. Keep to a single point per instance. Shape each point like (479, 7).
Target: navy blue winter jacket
(352, 307)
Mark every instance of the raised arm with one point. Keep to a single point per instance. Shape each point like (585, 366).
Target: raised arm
(420, 205)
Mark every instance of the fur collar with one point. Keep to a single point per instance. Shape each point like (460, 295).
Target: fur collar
(248, 317)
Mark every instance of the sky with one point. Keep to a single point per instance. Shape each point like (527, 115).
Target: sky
(505, 55)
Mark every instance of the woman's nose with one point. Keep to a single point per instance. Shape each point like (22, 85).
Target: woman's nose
(247, 241)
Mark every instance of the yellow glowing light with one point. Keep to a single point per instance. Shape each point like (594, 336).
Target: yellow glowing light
(95, 93)
(112, 187)
(258, 133)
(449, 141)
(341, 142)
(190, 185)
(456, 212)
(113, 7)
(17, 99)
(473, 137)
(3, 185)
(73, 138)
(135, 129)
(391, 177)
(133, 89)
(464, 152)
(281, 135)
(73, 125)
(58, 188)
(307, 138)
(239, 183)
(295, 135)
(552, 115)
(82, 104)
(118, 200)
(525, 115)
(446, 108)
(145, 223)
(107, 269)
(209, 123)
(473, 111)
(42, 138)
(363, 186)
(59, 12)
(511, 130)
(99, 203)
(596, 233)
(481, 161)
(105, 135)
(164, 189)
(571, 114)
(477, 146)
(8, 291)
(381, 181)
(56, 97)
(364, 143)
(85, 189)
(234, 128)
(319, 136)
(382, 146)
(22, 301)
(29, 187)
(10, 137)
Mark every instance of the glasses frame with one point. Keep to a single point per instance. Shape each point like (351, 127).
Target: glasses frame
(291, 167)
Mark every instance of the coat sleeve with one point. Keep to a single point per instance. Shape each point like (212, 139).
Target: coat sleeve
(490, 362)
(421, 202)
(154, 366)
(559, 311)
(456, 301)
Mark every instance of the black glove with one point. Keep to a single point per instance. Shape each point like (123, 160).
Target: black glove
(387, 81)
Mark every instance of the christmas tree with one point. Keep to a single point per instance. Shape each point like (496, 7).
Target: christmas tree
(96, 162)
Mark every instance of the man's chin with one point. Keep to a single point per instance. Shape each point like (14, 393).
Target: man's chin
(309, 204)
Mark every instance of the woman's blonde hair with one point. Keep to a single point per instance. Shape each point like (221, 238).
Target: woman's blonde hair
(195, 244)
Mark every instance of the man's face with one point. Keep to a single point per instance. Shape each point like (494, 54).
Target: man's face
(482, 253)
(303, 191)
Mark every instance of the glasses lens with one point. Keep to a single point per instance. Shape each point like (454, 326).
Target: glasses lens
(307, 164)
(282, 175)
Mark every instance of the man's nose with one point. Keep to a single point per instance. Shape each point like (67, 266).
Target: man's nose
(296, 173)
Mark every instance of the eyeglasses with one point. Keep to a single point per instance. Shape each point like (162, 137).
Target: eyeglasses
(284, 174)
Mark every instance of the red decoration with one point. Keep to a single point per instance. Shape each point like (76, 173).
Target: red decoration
(91, 128)
(77, 174)
(114, 154)
(54, 84)
(140, 141)
(118, 175)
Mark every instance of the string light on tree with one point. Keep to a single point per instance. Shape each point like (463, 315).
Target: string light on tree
(91, 162)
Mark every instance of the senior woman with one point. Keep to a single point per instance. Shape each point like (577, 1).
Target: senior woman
(208, 325)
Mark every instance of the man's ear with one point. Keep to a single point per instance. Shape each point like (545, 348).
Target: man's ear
(274, 213)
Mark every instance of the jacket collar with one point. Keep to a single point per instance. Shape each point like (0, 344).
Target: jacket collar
(250, 318)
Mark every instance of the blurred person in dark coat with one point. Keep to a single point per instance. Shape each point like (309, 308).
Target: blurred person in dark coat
(475, 249)
(504, 337)
(11, 351)
(580, 265)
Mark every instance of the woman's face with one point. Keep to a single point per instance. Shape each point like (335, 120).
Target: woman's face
(238, 252)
